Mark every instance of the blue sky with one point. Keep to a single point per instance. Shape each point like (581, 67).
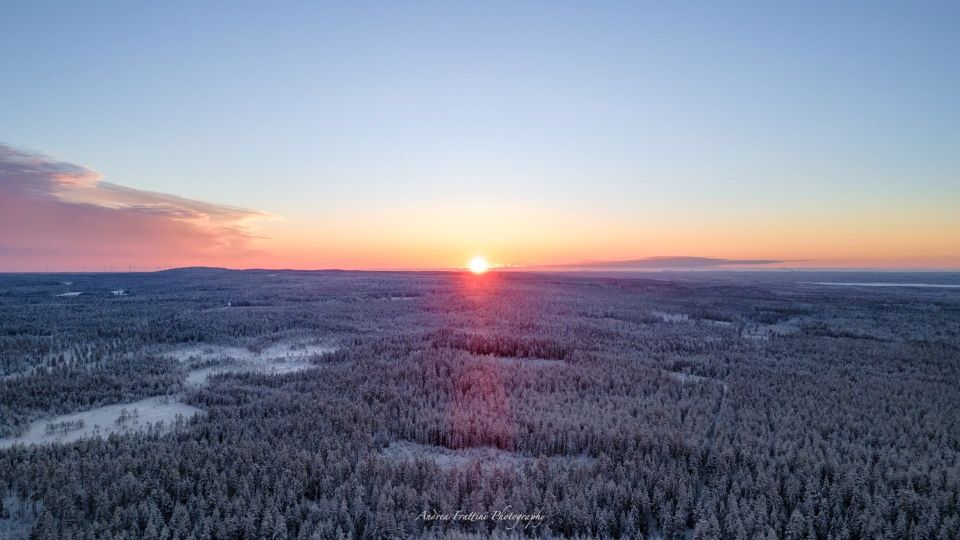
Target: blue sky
(685, 113)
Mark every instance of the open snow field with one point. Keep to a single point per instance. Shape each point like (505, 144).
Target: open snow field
(447, 459)
(671, 317)
(102, 421)
(768, 331)
(276, 359)
(278, 352)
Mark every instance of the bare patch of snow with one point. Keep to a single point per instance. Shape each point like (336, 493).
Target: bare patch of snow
(100, 422)
(685, 378)
(198, 377)
(445, 458)
(273, 360)
(671, 317)
(768, 331)
(276, 352)
(70, 294)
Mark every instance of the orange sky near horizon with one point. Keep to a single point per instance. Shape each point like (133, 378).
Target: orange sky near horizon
(513, 236)
(59, 216)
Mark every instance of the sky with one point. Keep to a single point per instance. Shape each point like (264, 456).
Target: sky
(404, 135)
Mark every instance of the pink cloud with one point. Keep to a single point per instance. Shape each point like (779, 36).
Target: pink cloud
(58, 215)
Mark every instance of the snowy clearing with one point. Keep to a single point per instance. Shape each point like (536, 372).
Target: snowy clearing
(671, 317)
(100, 422)
(274, 360)
(276, 352)
(768, 331)
(488, 458)
(70, 294)
(684, 378)
(198, 377)
(687, 377)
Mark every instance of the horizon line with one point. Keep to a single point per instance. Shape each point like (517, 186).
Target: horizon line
(545, 269)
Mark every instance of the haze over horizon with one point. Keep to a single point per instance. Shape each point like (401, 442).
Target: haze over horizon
(537, 135)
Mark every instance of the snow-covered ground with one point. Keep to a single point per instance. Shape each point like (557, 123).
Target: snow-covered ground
(445, 458)
(198, 377)
(70, 294)
(767, 331)
(684, 378)
(281, 351)
(276, 360)
(671, 317)
(102, 421)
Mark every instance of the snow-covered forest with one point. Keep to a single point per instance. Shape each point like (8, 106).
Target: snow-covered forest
(216, 404)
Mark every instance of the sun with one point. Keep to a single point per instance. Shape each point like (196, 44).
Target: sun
(478, 265)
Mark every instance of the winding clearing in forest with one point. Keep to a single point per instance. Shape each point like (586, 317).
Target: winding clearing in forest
(119, 417)
(277, 359)
(100, 422)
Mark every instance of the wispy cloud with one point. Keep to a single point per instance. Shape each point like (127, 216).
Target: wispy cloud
(57, 213)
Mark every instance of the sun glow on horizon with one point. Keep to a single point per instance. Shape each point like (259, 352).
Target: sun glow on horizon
(478, 265)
